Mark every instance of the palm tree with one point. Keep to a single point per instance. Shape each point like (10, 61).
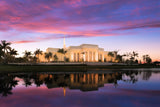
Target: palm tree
(144, 58)
(11, 55)
(5, 47)
(115, 54)
(127, 55)
(135, 54)
(38, 52)
(48, 56)
(7, 84)
(62, 51)
(55, 57)
(27, 54)
(13, 52)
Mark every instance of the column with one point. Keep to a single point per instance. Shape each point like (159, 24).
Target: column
(96, 56)
(88, 56)
(102, 57)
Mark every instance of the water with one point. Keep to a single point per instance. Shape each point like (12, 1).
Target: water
(129, 88)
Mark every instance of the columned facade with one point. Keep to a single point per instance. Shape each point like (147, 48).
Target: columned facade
(86, 52)
(82, 53)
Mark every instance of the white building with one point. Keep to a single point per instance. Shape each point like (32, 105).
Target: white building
(84, 52)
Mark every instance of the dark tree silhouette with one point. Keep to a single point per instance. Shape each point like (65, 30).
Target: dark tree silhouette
(62, 51)
(27, 55)
(6, 84)
(5, 47)
(38, 52)
(48, 56)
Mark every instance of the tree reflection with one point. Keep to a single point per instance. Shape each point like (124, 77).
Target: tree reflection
(132, 76)
(147, 75)
(7, 82)
(81, 81)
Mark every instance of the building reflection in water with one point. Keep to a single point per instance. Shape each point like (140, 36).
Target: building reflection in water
(81, 81)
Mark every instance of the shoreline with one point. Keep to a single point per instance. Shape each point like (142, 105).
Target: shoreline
(69, 67)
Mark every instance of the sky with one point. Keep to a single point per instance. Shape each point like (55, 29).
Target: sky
(124, 25)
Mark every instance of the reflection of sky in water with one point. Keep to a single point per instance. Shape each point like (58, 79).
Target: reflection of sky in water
(104, 97)
(152, 82)
(145, 92)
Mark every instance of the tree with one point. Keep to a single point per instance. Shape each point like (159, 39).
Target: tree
(135, 54)
(119, 58)
(147, 59)
(48, 56)
(5, 47)
(111, 54)
(1, 53)
(115, 53)
(27, 54)
(62, 51)
(11, 55)
(37, 53)
(131, 57)
(144, 58)
(7, 82)
(126, 55)
(55, 57)
(13, 52)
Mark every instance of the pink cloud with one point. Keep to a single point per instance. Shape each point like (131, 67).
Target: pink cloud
(19, 42)
(85, 18)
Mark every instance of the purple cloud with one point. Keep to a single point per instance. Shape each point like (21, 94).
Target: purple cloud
(78, 18)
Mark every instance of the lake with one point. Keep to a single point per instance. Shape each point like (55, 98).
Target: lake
(120, 88)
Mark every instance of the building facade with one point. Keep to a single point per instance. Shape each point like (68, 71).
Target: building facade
(82, 53)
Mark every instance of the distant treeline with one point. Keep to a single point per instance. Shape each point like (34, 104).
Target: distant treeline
(8, 55)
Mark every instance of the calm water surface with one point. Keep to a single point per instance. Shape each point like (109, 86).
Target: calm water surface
(130, 88)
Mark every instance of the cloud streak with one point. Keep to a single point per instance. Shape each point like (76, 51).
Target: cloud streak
(77, 18)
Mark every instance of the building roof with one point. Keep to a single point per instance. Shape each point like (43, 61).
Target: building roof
(52, 49)
(76, 47)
